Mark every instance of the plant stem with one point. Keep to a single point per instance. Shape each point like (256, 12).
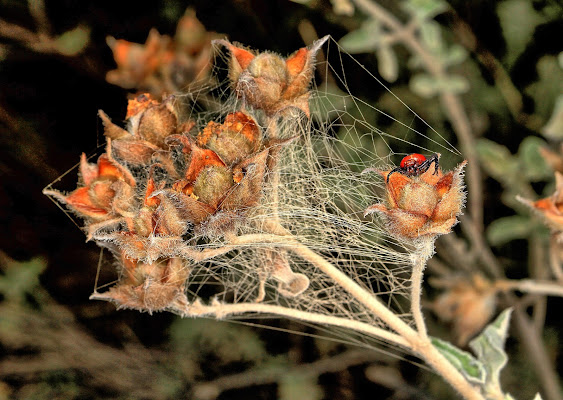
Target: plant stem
(531, 286)
(416, 292)
(554, 258)
(222, 310)
(418, 343)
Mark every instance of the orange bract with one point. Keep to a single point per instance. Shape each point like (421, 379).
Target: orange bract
(551, 208)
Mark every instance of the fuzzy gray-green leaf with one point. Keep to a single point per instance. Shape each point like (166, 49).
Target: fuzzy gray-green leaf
(387, 64)
(425, 9)
(304, 387)
(489, 347)
(464, 362)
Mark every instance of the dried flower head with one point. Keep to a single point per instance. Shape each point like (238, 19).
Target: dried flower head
(421, 203)
(150, 122)
(269, 82)
(468, 304)
(103, 192)
(550, 208)
(225, 170)
(163, 65)
(149, 287)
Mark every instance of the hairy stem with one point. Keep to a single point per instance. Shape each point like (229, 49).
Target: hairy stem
(418, 343)
(416, 292)
(222, 310)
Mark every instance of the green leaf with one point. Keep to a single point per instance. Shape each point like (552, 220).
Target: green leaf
(387, 64)
(553, 129)
(365, 39)
(303, 387)
(518, 20)
(489, 348)
(20, 278)
(506, 229)
(427, 86)
(497, 160)
(424, 85)
(464, 362)
(74, 41)
(548, 87)
(431, 35)
(454, 55)
(534, 166)
(425, 9)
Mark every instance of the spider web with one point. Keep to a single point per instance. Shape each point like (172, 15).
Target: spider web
(319, 195)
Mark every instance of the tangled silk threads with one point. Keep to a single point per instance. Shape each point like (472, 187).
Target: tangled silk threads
(163, 185)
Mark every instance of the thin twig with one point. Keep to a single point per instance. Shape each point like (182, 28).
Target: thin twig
(554, 258)
(37, 11)
(546, 288)
(31, 40)
(543, 367)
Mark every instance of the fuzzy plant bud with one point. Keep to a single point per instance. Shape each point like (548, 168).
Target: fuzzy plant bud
(225, 170)
(150, 287)
(269, 82)
(150, 123)
(422, 201)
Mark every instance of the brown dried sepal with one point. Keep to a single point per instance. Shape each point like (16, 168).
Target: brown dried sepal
(468, 304)
(268, 82)
(149, 287)
(422, 206)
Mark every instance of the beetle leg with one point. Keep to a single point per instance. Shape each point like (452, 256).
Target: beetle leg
(398, 169)
(422, 168)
